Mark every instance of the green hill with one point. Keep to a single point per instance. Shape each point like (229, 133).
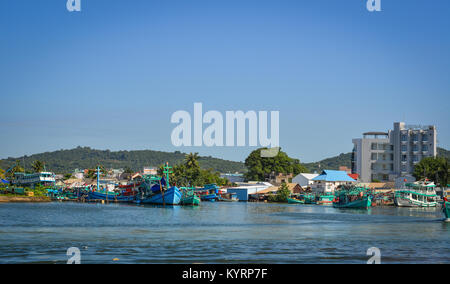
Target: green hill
(331, 163)
(345, 160)
(65, 161)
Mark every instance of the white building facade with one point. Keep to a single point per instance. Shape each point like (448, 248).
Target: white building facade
(304, 180)
(385, 156)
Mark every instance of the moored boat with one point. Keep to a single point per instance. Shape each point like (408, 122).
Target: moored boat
(209, 192)
(292, 200)
(309, 198)
(171, 196)
(156, 190)
(352, 197)
(418, 194)
(325, 200)
(446, 209)
(110, 196)
(188, 197)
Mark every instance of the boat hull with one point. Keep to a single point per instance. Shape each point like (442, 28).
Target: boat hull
(295, 201)
(407, 202)
(190, 201)
(172, 196)
(209, 197)
(447, 211)
(93, 195)
(364, 203)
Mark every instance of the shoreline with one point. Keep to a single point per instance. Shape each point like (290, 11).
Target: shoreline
(23, 199)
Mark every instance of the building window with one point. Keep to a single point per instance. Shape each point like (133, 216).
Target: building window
(374, 146)
(404, 138)
(415, 148)
(374, 156)
(404, 158)
(415, 158)
(425, 148)
(404, 148)
(425, 138)
(403, 168)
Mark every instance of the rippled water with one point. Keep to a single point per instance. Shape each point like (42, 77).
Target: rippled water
(220, 233)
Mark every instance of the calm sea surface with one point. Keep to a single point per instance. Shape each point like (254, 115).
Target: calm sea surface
(220, 233)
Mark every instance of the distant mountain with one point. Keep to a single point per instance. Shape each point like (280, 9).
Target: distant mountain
(346, 160)
(65, 161)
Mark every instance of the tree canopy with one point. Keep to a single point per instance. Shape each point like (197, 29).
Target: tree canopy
(189, 173)
(260, 168)
(434, 169)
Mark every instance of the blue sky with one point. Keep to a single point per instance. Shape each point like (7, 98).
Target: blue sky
(111, 76)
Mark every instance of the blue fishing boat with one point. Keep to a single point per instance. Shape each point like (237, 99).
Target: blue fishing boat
(209, 192)
(110, 196)
(98, 194)
(156, 190)
(171, 196)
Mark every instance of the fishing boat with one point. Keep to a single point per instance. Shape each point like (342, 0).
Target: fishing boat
(293, 200)
(446, 209)
(209, 192)
(188, 197)
(352, 197)
(156, 190)
(325, 200)
(418, 194)
(171, 196)
(309, 198)
(110, 196)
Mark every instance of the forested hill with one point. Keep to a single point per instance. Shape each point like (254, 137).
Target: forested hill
(346, 160)
(65, 161)
(331, 163)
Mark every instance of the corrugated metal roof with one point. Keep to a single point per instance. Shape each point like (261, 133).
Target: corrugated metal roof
(330, 175)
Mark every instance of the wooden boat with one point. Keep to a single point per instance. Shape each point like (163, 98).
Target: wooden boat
(110, 196)
(418, 194)
(353, 197)
(171, 196)
(188, 197)
(295, 201)
(155, 190)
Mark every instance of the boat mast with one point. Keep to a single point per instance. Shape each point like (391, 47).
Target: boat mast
(167, 171)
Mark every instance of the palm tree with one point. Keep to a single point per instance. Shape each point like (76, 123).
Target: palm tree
(37, 166)
(191, 161)
(16, 169)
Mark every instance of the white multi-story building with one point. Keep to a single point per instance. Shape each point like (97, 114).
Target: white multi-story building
(384, 156)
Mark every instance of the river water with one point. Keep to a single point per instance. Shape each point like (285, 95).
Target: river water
(220, 233)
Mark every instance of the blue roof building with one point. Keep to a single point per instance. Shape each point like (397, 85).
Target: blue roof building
(329, 180)
(333, 176)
